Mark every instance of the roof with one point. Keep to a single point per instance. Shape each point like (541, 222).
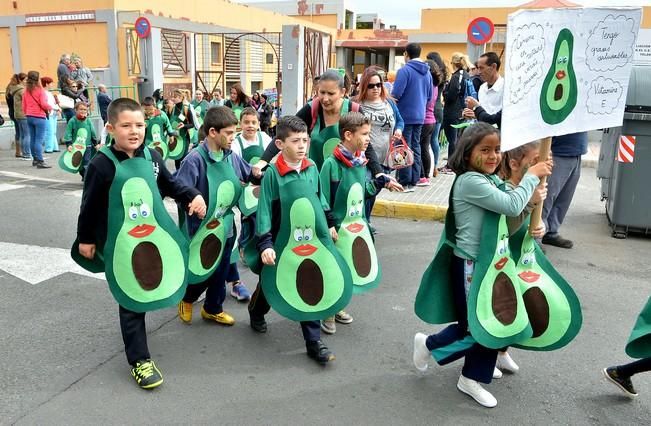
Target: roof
(541, 4)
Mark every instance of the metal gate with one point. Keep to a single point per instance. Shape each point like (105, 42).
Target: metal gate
(251, 59)
(318, 46)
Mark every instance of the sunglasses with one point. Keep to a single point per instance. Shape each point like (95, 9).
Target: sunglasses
(374, 86)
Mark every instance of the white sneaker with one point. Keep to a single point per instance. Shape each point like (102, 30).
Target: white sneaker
(497, 374)
(506, 363)
(421, 353)
(478, 393)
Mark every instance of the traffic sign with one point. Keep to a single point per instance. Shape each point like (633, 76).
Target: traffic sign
(480, 30)
(143, 27)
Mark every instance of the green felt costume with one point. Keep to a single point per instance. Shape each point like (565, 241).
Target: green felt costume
(355, 243)
(145, 255)
(310, 280)
(207, 244)
(158, 130)
(200, 109)
(80, 133)
(178, 147)
(248, 202)
(324, 141)
(507, 304)
(639, 343)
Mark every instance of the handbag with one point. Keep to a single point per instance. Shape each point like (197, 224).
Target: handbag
(399, 155)
(65, 102)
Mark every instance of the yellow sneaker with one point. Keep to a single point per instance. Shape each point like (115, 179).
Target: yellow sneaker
(221, 318)
(185, 312)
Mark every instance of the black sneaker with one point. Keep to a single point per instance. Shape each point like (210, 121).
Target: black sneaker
(557, 241)
(623, 383)
(319, 352)
(42, 165)
(258, 324)
(147, 374)
(34, 163)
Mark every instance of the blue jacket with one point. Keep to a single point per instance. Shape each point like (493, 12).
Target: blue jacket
(400, 123)
(572, 145)
(413, 89)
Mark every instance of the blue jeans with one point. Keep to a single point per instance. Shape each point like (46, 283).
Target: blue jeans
(436, 149)
(24, 137)
(51, 143)
(37, 131)
(409, 175)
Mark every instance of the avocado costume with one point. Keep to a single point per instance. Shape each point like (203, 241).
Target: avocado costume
(200, 109)
(82, 134)
(207, 244)
(178, 147)
(324, 140)
(145, 254)
(355, 243)
(559, 90)
(248, 202)
(310, 279)
(639, 343)
(506, 306)
(157, 132)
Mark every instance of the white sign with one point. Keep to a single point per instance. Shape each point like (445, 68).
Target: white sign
(566, 71)
(55, 18)
(642, 54)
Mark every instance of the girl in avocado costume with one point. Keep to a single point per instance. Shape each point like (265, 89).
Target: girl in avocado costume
(182, 120)
(238, 101)
(125, 230)
(304, 277)
(344, 186)
(159, 128)
(200, 106)
(80, 140)
(472, 279)
(216, 172)
(322, 116)
(638, 346)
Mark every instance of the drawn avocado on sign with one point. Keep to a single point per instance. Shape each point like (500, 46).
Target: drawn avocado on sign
(559, 90)
(70, 161)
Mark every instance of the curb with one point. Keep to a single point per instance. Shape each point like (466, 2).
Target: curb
(400, 210)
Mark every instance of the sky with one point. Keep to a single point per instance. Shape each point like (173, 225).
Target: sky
(394, 12)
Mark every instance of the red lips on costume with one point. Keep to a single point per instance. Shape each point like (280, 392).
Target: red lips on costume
(499, 265)
(141, 231)
(304, 250)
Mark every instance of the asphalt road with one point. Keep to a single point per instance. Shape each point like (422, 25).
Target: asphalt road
(62, 359)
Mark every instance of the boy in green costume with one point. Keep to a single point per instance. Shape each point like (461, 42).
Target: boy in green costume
(291, 168)
(200, 106)
(127, 180)
(81, 141)
(344, 186)
(159, 128)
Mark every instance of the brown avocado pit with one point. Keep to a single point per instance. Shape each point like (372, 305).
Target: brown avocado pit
(558, 92)
(209, 251)
(537, 309)
(76, 158)
(361, 257)
(504, 301)
(147, 265)
(309, 282)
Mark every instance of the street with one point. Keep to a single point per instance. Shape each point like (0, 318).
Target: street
(63, 360)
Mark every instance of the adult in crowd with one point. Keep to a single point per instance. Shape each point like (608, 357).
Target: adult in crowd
(454, 96)
(200, 106)
(158, 98)
(428, 129)
(438, 107)
(238, 100)
(255, 100)
(103, 101)
(264, 112)
(51, 141)
(413, 89)
(475, 76)
(83, 76)
(14, 98)
(217, 98)
(35, 105)
(391, 78)
(567, 151)
(63, 71)
(489, 106)
(70, 91)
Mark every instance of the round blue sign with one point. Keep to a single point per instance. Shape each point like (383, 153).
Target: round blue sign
(143, 27)
(480, 30)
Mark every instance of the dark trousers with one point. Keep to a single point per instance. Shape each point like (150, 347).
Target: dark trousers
(259, 307)
(232, 274)
(134, 335)
(409, 175)
(479, 361)
(450, 135)
(214, 286)
(627, 370)
(560, 191)
(425, 139)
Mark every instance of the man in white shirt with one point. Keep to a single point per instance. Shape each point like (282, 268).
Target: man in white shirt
(491, 92)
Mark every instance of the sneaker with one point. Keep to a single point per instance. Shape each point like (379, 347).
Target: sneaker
(343, 317)
(240, 292)
(146, 374)
(43, 165)
(220, 318)
(623, 383)
(473, 389)
(34, 163)
(185, 312)
(258, 324)
(421, 353)
(423, 182)
(328, 325)
(319, 352)
(26, 158)
(506, 363)
(497, 374)
(557, 241)
(408, 189)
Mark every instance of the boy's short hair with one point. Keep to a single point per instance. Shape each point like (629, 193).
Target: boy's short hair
(148, 101)
(289, 124)
(219, 118)
(78, 104)
(249, 111)
(120, 105)
(351, 122)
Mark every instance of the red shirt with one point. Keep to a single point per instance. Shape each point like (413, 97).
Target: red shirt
(35, 103)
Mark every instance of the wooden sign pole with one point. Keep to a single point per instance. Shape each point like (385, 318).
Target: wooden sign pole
(545, 152)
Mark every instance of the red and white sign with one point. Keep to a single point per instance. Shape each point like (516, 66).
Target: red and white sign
(626, 149)
(480, 30)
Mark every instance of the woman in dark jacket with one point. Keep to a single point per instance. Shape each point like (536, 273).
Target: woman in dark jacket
(454, 98)
(69, 89)
(265, 112)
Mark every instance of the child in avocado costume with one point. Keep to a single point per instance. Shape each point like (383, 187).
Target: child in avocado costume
(81, 142)
(304, 278)
(472, 268)
(344, 186)
(217, 172)
(124, 229)
(182, 119)
(638, 346)
(200, 106)
(159, 128)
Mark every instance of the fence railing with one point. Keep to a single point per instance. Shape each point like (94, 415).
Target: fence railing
(113, 91)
